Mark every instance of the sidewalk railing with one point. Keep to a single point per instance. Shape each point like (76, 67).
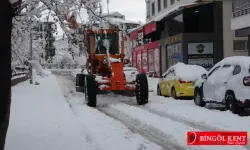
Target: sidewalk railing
(66, 66)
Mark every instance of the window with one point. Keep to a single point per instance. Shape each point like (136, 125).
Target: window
(199, 19)
(174, 26)
(165, 3)
(159, 5)
(237, 70)
(213, 70)
(227, 66)
(148, 9)
(153, 8)
(171, 2)
(240, 45)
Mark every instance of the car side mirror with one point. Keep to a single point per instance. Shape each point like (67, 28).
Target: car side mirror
(204, 76)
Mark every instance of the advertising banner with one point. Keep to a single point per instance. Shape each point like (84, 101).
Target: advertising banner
(138, 61)
(157, 61)
(151, 60)
(174, 53)
(133, 59)
(144, 61)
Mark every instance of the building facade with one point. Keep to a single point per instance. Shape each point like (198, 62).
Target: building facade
(155, 8)
(240, 23)
(45, 31)
(193, 32)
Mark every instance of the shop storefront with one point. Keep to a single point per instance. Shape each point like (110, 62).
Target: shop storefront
(146, 58)
(193, 41)
(145, 49)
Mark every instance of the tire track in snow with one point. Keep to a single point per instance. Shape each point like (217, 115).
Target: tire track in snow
(196, 125)
(153, 135)
(149, 132)
(184, 121)
(68, 92)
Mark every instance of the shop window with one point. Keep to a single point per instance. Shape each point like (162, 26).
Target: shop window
(174, 25)
(153, 8)
(199, 19)
(240, 45)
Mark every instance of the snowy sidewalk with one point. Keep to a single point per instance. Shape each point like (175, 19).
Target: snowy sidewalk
(41, 119)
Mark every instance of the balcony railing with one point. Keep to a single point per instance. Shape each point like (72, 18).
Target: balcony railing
(241, 12)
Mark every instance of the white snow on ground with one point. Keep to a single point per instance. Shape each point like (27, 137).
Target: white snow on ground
(107, 132)
(19, 76)
(176, 131)
(211, 118)
(42, 120)
(152, 84)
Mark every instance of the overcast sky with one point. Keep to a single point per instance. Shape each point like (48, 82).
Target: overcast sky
(134, 10)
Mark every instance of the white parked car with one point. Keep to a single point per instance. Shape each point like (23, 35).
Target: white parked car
(227, 83)
(130, 73)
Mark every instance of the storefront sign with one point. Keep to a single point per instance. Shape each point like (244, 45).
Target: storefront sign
(150, 28)
(201, 54)
(174, 39)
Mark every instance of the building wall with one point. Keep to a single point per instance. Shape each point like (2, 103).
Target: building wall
(228, 34)
(169, 6)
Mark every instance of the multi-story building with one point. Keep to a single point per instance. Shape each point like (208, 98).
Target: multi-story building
(45, 31)
(190, 31)
(240, 23)
(156, 8)
(115, 18)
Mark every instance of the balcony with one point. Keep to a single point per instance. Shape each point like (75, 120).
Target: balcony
(241, 14)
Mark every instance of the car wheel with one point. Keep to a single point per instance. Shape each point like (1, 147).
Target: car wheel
(173, 93)
(198, 98)
(158, 91)
(231, 103)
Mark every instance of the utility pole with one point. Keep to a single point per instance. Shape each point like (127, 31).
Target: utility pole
(31, 56)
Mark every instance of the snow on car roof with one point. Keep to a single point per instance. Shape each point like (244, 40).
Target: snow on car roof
(242, 60)
(187, 72)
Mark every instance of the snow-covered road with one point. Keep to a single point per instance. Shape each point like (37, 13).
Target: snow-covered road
(53, 116)
(163, 121)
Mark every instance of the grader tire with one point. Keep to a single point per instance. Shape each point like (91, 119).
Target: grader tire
(141, 89)
(90, 91)
(80, 81)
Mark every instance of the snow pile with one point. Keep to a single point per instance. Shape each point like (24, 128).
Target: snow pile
(152, 84)
(186, 72)
(41, 119)
(114, 60)
(39, 69)
(99, 79)
(130, 73)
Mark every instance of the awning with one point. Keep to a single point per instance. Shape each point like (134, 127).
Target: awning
(149, 28)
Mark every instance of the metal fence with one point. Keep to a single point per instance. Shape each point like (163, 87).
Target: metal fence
(66, 66)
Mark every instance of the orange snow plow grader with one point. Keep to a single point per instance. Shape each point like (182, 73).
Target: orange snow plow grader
(105, 68)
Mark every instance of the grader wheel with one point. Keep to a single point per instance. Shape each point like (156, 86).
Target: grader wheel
(80, 78)
(90, 90)
(141, 89)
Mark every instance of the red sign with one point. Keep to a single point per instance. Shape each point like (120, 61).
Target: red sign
(150, 28)
(217, 138)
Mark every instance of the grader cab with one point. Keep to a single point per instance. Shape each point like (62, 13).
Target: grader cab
(105, 68)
